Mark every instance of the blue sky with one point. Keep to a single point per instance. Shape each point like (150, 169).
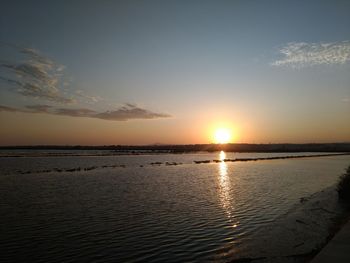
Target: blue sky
(188, 64)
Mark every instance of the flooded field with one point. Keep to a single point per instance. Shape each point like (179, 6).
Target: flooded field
(159, 208)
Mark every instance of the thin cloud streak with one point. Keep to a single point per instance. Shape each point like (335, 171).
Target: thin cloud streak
(75, 112)
(39, 108)
(128, 112)
(124, 113)
(299, 55)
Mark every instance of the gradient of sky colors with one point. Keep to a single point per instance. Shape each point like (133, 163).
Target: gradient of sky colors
(143, 72)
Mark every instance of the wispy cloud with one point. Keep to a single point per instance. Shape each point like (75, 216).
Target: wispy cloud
(298, 55)
(49, 94)
(37, 76)
(88, 98)
(40, 77)
(124, 113)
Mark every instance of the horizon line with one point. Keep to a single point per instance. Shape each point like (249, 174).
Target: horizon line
(167, 144)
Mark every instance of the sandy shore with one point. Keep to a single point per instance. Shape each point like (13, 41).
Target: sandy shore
(301, 233)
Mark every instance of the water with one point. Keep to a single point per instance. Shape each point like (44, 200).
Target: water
(142, 212)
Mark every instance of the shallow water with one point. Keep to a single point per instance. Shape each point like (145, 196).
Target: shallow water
(188, 212)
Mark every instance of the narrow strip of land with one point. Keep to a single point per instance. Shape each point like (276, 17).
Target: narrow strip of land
(270, 158)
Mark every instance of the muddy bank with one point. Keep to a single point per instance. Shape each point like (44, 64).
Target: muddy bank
(301, 233)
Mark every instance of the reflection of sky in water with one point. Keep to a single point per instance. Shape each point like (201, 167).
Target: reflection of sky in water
(225, 189)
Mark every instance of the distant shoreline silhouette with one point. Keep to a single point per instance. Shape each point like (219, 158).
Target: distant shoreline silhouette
(185, 148)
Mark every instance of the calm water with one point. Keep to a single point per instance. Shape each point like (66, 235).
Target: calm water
(134, 211)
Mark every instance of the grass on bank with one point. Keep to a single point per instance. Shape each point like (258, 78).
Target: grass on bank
(344, 185)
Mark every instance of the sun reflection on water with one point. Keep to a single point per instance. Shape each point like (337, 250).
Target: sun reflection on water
(222, 156)
(225, 189)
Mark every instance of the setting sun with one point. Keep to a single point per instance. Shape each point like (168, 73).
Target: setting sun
(222, 136)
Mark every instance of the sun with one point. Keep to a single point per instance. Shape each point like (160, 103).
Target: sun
(222, 136)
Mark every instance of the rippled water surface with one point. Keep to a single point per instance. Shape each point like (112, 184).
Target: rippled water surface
(129, 210)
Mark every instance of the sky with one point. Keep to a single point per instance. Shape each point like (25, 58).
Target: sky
(173, 72)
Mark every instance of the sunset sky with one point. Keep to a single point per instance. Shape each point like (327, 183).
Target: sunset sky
(144, 72)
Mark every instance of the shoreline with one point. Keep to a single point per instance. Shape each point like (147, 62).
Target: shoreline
(191, 148)
(302, 233)
(62, 154)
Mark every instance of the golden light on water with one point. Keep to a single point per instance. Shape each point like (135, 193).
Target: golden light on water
(225, 190)
(222, 156)
(222, 136)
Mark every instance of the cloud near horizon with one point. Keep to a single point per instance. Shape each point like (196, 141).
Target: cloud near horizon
(299, 55)
(39, 108)
(40, 77)
(124, 113)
